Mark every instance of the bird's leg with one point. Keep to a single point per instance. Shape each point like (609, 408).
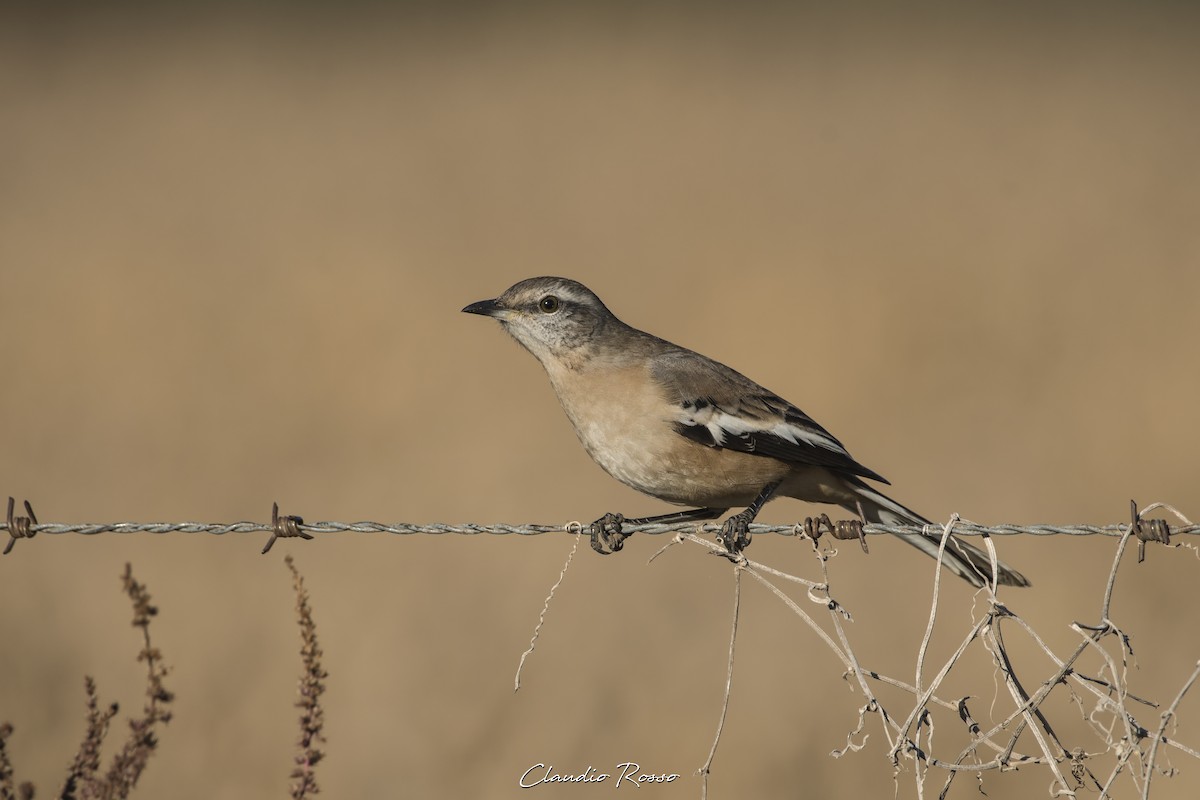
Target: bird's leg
(735, 533)
(607, 536)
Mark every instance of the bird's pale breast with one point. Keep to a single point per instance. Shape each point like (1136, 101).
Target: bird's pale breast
(627, 427)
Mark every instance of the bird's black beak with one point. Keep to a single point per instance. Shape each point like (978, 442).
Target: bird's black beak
(488, 308)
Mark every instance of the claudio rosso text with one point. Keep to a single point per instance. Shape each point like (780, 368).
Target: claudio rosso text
(627, 773)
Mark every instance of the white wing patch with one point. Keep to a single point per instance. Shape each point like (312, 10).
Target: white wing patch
(721, 425)
(737, 426)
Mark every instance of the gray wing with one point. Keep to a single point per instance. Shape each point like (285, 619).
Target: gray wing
(720, 407)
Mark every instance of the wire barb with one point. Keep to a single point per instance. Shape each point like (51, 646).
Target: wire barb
(19, 527)
(286, 527)
(1153, 530)
(843, 530)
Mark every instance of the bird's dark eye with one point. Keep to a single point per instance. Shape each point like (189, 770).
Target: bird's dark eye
(548, 304)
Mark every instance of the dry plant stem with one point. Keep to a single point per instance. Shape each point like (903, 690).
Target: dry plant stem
(1029, 707)
(1066, 668)
(812, 586)
(537, 630)
(915, 737)
(990, 546)
(924, 697)
(790, 603)
(1090, 639)
(836, 613)
(1047, 686)
(922, 650)
(923, 708)
(1155, 506)
(852, 666)
(1007, 757)
(705, 769)
(312, 686)
(716, 549)
(889, 725)
(1112, 577)
(933, 603)
(1131, 736)
(980, 738)
(1029, 710)
(8, 789)
(845, 655)
(1162, 729)
(128, 764)
(81, 777)
(849, 663)
(920, 765)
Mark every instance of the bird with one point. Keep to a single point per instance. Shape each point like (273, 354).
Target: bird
(683, 428)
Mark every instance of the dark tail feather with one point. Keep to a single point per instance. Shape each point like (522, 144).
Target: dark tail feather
(964, 560)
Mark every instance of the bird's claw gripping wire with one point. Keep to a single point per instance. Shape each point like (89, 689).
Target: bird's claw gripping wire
(735, 532)
(607, 536)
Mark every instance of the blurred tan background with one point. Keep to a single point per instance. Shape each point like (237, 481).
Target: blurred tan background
(233, 247)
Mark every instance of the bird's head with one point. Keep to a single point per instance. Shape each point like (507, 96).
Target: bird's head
(559, 321)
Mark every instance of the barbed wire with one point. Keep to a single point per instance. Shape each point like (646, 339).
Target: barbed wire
(291, 526)
(1009, 734)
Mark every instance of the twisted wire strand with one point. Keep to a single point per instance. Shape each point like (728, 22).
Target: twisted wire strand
(533, 529)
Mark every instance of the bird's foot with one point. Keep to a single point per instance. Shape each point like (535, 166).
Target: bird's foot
(735, 532)
(607, 536)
